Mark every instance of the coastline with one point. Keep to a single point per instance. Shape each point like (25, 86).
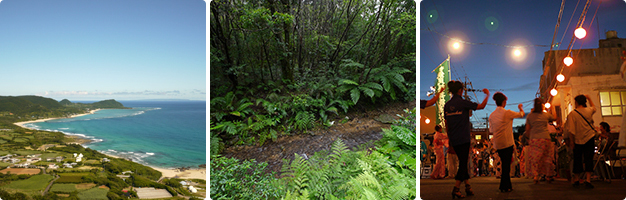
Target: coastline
(21, 124)
(194, 173)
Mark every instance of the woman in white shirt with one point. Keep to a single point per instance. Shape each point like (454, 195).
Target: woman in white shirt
(580, 133)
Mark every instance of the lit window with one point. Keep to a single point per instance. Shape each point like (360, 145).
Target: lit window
(612, 102)
(478, 137)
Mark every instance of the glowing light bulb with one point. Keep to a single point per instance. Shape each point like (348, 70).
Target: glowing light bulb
(560, 77)
(427, 121)
(456, 45)
(517, 52)
(580, 33)
(548, 105)
(568, 61)
(491, 23)
(553, 92)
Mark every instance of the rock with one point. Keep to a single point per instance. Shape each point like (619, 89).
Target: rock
(385, 119)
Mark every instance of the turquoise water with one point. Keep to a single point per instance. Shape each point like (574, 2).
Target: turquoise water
(156, 133)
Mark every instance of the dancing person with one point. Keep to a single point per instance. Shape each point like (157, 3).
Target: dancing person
(541, 150)
(427, 103)
(457, 113)
(453, 162)
(439, 142)
(501, 125)
(580, 133)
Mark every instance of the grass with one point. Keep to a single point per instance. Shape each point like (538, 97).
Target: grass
(71, 177)
(2, 141)
(32, 184)
(4, 153)
(93, 194)
(20, 139)
(63, 188)
(25, 152)
(3, 164)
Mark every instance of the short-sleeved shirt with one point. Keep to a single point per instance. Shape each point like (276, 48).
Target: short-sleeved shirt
(501, 125)
(539, 125)
(457, 113)
(578, 127)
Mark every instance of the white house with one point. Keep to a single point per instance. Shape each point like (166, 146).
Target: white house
(53, 166)
(192, 189)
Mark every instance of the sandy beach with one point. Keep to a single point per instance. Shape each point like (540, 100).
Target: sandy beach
(187, 174)
(21, 124)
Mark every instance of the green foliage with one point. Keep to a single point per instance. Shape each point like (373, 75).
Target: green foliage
(370, 89)
(232, 179)
(303, 120)
(93, 194)
(344, 174)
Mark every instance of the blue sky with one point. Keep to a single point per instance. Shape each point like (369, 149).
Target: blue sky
(103, 49)
(516, 22)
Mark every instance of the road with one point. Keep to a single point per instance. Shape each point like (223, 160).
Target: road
(487, 188)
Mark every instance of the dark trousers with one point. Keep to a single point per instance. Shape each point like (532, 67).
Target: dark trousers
(505, 158)
(462, 152)
(583, 154)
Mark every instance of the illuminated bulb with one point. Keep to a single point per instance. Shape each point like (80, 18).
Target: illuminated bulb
(427, 121)
(547, 105)
(580, 33)
(517, 52)
(553, 92)
(456, 45)
(560, 77)
(568, 61)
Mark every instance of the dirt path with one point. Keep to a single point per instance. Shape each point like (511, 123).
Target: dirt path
(360, 129)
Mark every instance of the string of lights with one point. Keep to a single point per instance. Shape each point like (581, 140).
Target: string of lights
(568, 60)
(486, 43)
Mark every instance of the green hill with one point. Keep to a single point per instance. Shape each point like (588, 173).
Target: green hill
(110, 103)
(46, 102)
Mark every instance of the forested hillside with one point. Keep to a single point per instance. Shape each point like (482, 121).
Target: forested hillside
(284, 68)
(23, 108)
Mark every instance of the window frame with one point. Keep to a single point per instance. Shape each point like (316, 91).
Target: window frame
(612, 105)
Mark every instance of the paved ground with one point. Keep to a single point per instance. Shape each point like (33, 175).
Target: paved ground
(487, 188)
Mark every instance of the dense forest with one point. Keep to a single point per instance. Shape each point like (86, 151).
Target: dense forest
(24, 108)
(285, 67)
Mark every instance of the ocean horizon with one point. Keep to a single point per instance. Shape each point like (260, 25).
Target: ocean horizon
(164, 134)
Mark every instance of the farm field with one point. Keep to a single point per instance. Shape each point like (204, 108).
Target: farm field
(71, 177)
(18, 171)
(93, 194)
(33, 185)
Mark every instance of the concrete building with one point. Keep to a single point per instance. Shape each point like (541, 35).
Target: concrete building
(594, 72)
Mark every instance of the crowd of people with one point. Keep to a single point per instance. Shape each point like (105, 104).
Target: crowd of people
(532, 155)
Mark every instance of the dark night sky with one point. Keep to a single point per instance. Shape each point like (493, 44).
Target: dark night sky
(516, 22)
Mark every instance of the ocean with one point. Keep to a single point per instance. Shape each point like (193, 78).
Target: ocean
(165, 134)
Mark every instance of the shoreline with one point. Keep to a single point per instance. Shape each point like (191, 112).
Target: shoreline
(21, 124)
(193, 173)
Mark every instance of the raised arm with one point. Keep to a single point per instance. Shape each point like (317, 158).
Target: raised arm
(590, 102)
(521, 109)
(435, 98)
(484, 103)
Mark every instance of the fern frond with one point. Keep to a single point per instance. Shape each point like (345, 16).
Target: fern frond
(337, 149)
(355, 94)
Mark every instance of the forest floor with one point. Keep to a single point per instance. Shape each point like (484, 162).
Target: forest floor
(360, 128)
